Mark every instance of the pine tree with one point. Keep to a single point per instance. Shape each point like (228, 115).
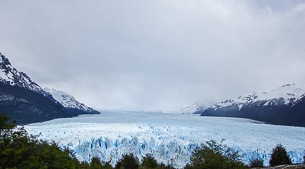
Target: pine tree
(279, 156)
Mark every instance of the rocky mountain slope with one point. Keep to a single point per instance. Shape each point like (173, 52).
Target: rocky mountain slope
(284, 105)
(25, 101)
(10, 76)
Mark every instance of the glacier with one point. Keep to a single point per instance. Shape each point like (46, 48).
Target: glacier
(170, 138)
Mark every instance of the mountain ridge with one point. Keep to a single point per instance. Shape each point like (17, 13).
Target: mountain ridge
(284, 105)
(26, 102)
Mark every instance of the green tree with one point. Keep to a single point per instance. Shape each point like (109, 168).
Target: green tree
(149, 162)
(163, 166)
(20, 150)
(5, 126)
(106, 165)
(256, 162)
(215, 156)
(128, 161)
(279, 156)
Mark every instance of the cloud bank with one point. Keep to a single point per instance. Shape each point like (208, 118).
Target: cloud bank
(156, 55)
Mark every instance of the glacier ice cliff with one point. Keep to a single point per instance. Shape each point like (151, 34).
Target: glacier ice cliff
(170, 138)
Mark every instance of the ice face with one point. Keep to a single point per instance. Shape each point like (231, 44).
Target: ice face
(170, 138)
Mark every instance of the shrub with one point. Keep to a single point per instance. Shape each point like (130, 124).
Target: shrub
(279, 156)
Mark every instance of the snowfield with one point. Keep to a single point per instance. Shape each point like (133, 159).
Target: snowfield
(170, 138)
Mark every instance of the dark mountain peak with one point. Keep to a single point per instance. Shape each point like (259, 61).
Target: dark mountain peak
(11, 76)
(4, 60)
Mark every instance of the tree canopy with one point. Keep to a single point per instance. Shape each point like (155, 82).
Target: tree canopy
(215, 156)
(20, 150)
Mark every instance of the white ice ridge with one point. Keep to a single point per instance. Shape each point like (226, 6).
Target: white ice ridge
(170, 138)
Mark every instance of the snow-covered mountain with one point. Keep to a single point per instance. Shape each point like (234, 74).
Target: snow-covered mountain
(68, 100)
(282, 105)
(25, 101)
(9, 75)
(288, 94)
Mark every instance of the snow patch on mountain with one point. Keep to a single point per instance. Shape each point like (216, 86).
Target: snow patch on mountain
(68, 100)
(289, 93)
(238, 101)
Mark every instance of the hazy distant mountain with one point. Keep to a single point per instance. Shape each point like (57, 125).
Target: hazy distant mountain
(25, 101)
(197, 108)
(284, 105)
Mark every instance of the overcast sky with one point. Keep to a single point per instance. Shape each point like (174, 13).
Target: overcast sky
(155, 54)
